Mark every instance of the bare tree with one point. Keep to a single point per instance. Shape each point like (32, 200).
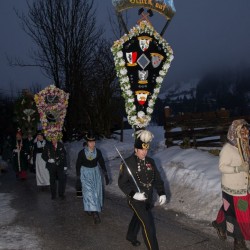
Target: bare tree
(105, 90)
(65, 34)
(72, 52)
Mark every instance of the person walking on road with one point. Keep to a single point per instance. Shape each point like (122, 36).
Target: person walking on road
(137, 178)
(42, 173)
(233, 218)
(54, 154)
(29, 145)
(88, 171)
(20, 157)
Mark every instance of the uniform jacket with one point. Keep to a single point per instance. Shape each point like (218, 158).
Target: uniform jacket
(58, 154)
(233, 183)
(83, 161)
(147, 177)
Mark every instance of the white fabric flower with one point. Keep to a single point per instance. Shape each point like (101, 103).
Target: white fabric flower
(157, 90)
(129, 92)
(162, 73)
(140, 114)
(119, 54)
(151, 103)
(166, 66)
(159, 79)
(133, 118)
(123, 71)
(149, 110)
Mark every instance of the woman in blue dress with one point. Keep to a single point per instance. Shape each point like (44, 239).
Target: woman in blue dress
(88, 170)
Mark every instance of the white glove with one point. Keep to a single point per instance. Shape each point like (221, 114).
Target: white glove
(162, 199)
(140, 196)
(51, 161)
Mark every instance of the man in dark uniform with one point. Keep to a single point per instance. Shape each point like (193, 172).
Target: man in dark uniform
(29, 145)
(138, 187)
(54, 154)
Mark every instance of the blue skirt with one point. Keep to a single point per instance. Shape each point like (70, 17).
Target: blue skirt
(92, 191)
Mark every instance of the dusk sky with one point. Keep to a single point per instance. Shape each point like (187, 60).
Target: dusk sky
(205, 35)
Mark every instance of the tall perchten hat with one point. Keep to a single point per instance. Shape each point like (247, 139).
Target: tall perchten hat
(52, 106)
(142, 59)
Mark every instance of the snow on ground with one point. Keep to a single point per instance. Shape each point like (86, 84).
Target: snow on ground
(191, 176)
(11, 234)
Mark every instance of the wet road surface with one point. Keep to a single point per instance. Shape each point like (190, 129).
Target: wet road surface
(62, 224)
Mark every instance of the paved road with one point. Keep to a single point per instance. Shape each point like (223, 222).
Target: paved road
(63, 225)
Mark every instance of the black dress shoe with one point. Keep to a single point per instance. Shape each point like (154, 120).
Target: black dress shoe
(96, 218)
(221, 233)
(135, 243)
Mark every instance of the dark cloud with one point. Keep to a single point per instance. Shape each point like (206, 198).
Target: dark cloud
(204, 34)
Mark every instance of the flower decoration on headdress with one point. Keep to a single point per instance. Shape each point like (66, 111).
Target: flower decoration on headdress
(142, 59)
(52, 106)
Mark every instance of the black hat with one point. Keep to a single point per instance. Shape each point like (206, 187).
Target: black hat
(39, 132)
(90, 136)
(143, 139)
(141, 145)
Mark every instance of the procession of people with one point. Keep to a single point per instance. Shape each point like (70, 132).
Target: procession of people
(142, 58)
(44, 155)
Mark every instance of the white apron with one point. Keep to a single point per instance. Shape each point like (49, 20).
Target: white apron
(42, 173)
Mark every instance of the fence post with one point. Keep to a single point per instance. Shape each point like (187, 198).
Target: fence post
(167, 114)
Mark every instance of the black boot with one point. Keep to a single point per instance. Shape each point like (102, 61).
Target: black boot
(240, 245)
(96, 218)
(221, 233)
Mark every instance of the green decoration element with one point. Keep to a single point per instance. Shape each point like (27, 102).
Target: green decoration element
(242, 205)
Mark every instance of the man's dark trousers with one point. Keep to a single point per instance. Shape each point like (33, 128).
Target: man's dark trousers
(57, 173)
(142, 217)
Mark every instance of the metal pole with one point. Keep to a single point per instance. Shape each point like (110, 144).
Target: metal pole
(165, 27)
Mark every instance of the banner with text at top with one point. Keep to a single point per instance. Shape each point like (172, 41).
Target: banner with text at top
(164, 7)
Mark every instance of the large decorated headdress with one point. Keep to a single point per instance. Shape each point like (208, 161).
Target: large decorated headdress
(26, 113)
(52, 106)
(142, 59)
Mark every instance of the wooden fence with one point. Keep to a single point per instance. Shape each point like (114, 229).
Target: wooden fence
(207, 129)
